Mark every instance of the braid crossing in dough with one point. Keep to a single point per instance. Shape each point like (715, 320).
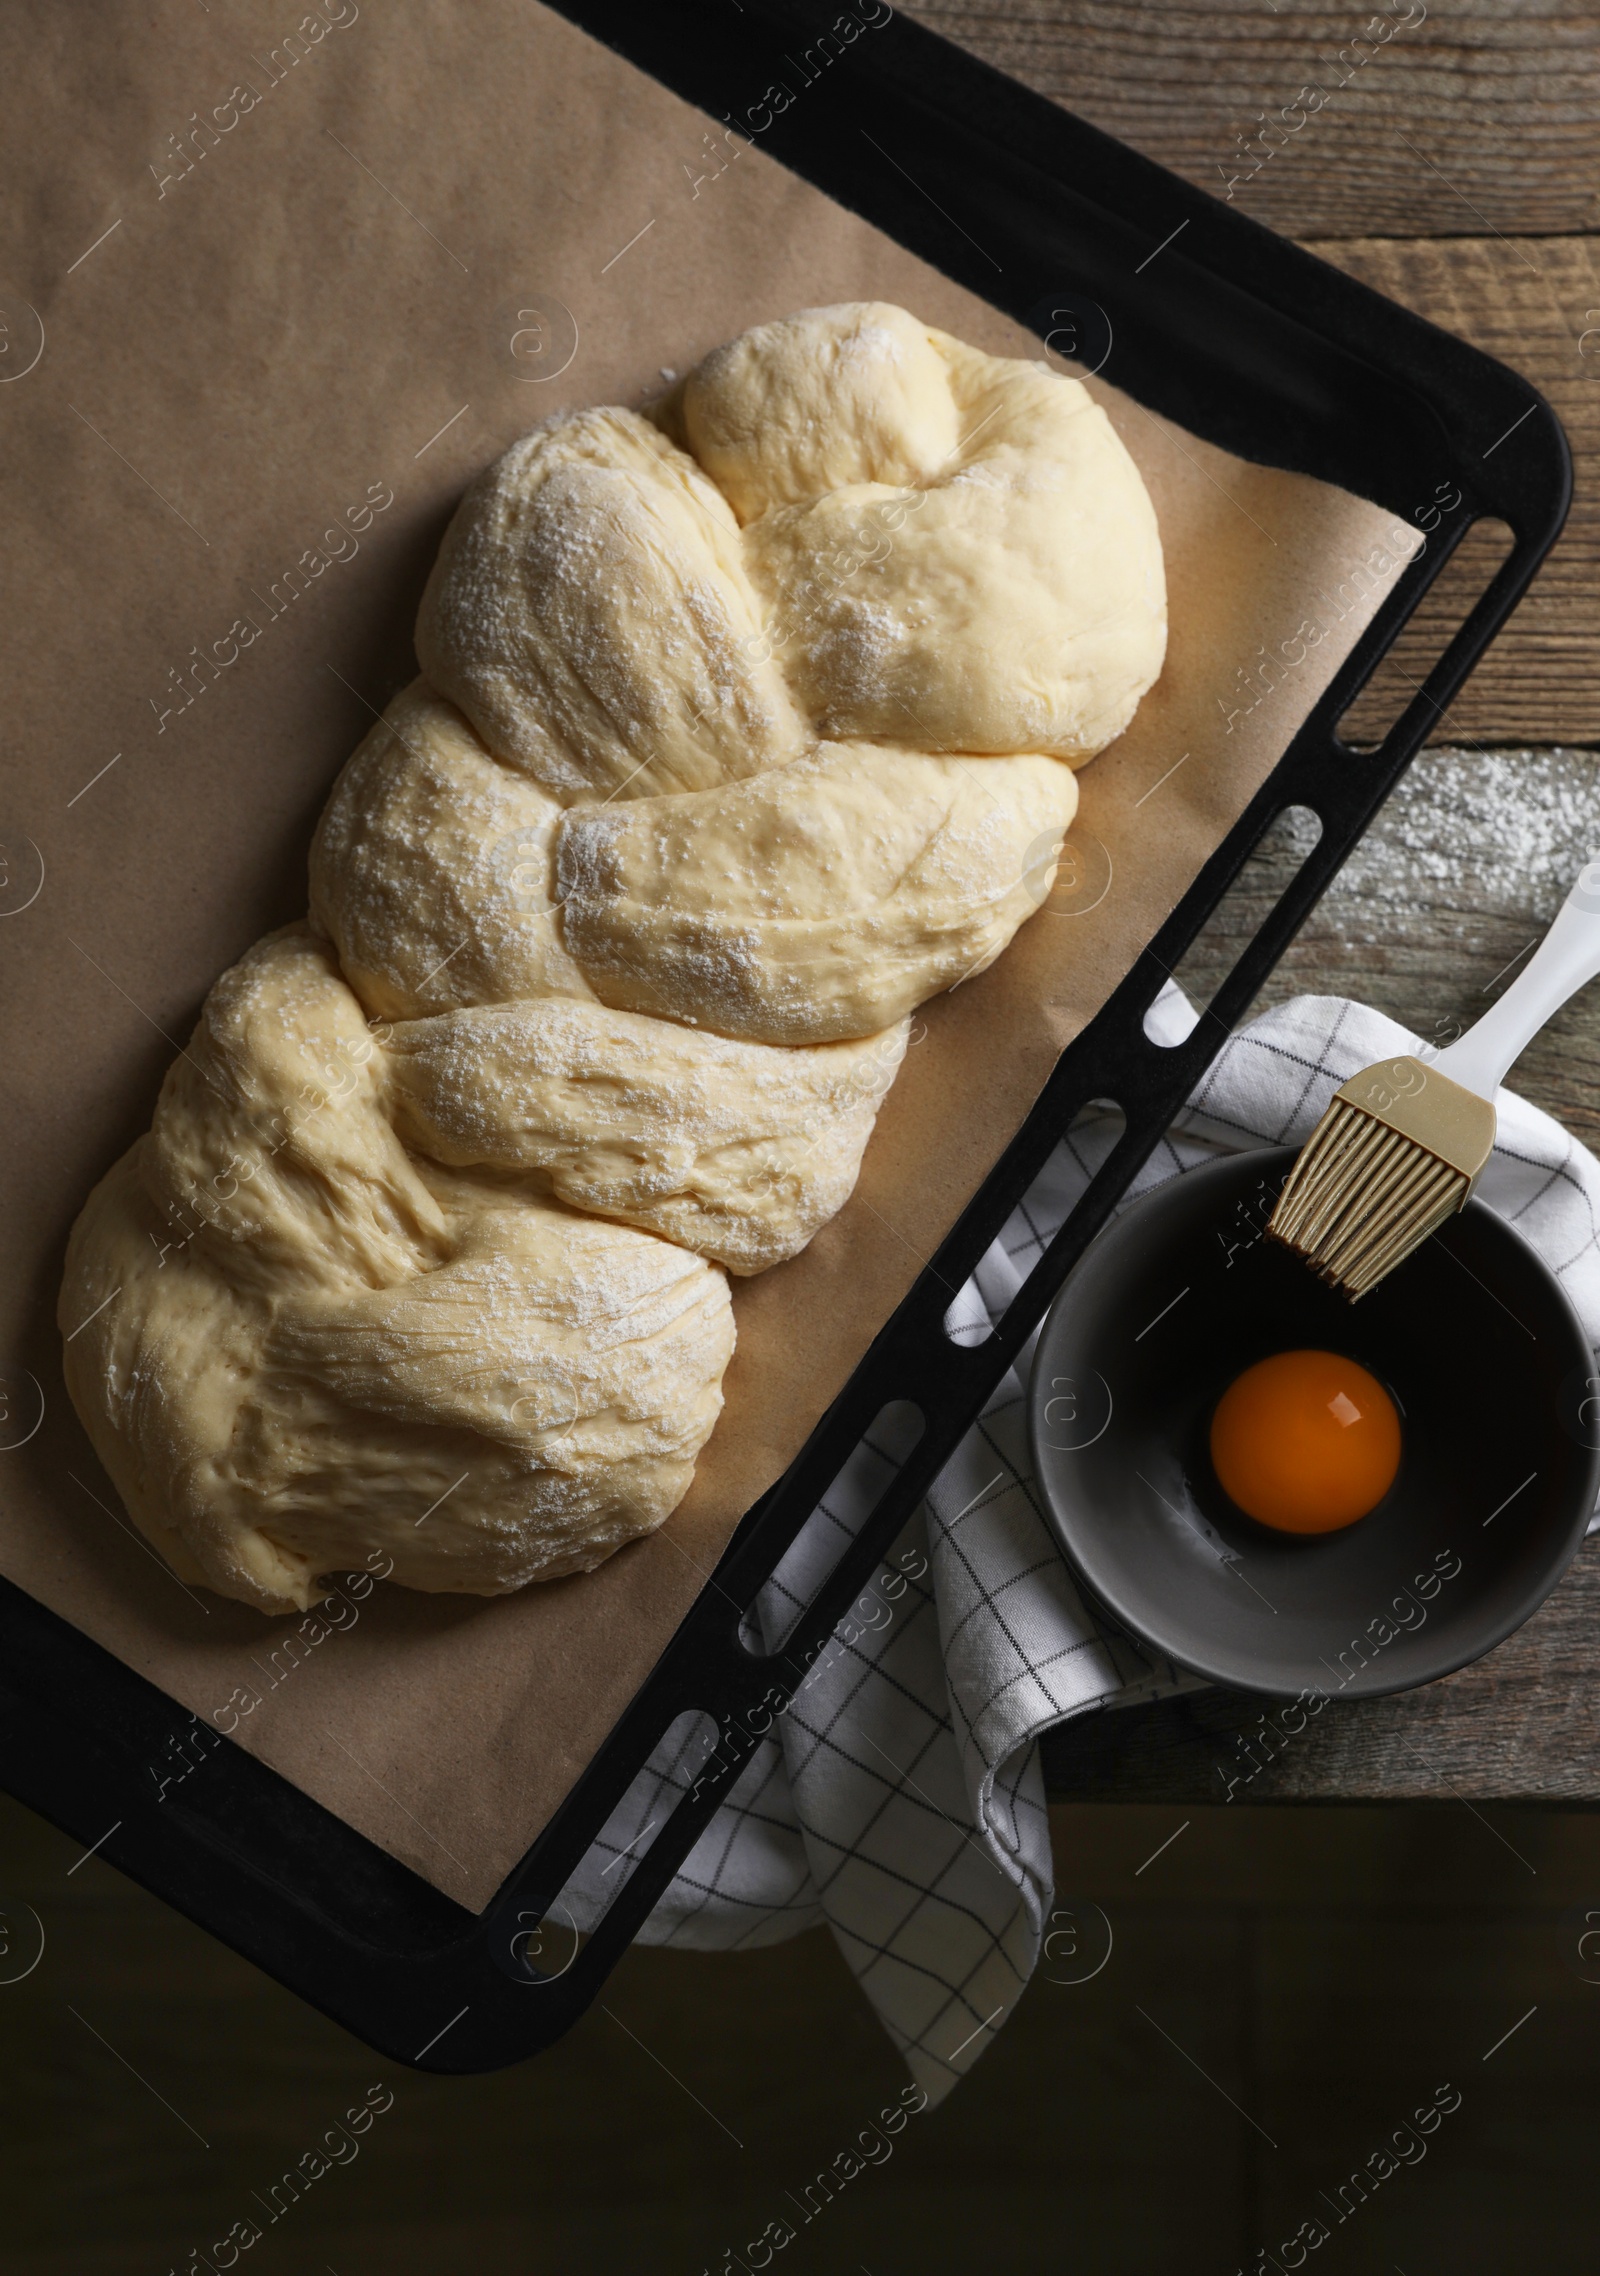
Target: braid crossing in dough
(746, 724)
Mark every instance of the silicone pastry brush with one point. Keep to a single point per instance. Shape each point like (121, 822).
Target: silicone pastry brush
(1402, 1143)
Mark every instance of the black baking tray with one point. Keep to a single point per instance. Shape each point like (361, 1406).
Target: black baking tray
(1243, 339)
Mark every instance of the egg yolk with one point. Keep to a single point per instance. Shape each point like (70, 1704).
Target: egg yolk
(1306, 1441)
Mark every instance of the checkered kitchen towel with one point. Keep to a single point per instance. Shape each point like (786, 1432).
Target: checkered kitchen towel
(900, 1797)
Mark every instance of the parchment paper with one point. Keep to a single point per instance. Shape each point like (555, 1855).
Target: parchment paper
(326, 306)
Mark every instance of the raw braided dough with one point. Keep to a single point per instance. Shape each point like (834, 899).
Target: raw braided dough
(746, 725)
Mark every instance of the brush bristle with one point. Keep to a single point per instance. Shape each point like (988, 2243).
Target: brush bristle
(1361, 1197)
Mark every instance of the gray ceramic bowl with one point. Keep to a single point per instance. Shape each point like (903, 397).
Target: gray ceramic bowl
(1484, 1355)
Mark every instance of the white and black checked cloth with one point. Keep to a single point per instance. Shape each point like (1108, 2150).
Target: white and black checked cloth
(900, 1797)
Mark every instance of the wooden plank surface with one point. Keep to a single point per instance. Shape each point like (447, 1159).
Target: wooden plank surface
(1535, 304)
(1468, 116)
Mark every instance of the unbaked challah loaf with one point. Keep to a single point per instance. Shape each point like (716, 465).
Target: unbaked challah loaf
(746, 726)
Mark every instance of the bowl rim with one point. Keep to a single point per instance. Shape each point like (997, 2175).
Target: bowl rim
(1226, 1675)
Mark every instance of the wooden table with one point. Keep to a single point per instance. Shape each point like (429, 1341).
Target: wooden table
(1458, 170)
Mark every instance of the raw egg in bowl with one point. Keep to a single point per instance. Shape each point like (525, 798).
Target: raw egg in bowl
(1286, 1493)
(1306, 1441)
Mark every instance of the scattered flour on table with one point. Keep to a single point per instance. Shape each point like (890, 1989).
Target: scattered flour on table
(1481, 834)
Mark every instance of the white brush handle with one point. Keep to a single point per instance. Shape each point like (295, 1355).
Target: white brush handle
(1568, 955)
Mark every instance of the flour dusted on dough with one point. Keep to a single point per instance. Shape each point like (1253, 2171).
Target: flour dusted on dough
(1014, 600)
(733, 1149)
(822, 401)
(821, 900)
(314, 1334)
(432, 869)
(591, 613)
(745, 726)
